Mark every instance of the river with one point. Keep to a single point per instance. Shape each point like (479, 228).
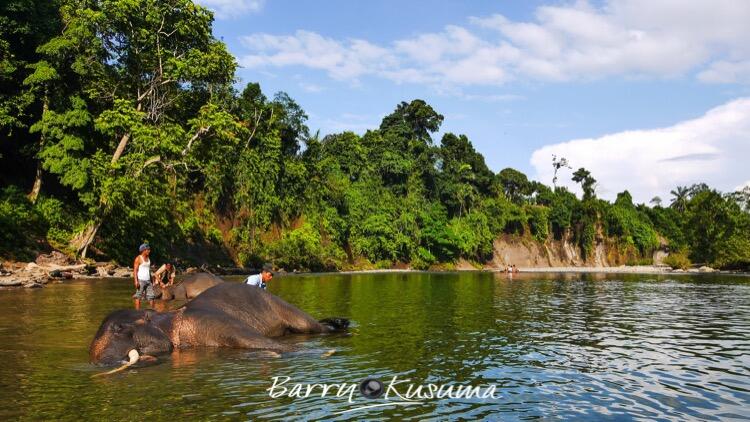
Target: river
(583, 346)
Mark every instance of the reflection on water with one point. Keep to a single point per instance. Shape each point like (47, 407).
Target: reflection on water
(571, 346)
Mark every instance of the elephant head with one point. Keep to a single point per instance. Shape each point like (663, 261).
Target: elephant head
(126, 336)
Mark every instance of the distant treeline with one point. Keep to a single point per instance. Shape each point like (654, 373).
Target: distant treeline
(120, 123)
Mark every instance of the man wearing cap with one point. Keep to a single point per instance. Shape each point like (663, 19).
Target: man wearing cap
(142, 273)
(259, 280)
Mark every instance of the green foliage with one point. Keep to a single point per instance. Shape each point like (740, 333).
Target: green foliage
(128, 110)
(19, 224)
(472, 235)
(587, 182)
(538, 221)
(677, 260)
(514, 183)
(624, 221)
(561, 211)
(587, 217)
(304, 249)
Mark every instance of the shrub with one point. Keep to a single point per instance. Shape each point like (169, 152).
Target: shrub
(538, 218)
(20, 223)
(677, 260)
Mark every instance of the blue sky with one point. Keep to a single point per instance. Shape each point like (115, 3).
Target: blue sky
(646, 94)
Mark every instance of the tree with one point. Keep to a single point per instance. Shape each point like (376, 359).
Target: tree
(462, 175)
(680, 198)
(136, 63)
(587, 182)
(514, 183)
(557, 164)
(24, 84)
(656, 201)
(417, 117)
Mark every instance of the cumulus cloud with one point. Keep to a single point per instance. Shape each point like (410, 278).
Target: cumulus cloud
(341, 59)
(357, 123)
(712, 148)
(727, 72)
(225, 9)
(632, 38)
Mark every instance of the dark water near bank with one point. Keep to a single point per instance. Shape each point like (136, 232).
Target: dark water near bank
(578, 347)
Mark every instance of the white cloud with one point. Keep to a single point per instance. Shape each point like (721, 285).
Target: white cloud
(627, 38)
(342, 60)
(357, 123)
(712, 148)
(727, 72)
(225, 9)
(308, 87)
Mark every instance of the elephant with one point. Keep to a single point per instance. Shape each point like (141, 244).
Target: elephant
(228, 315)
(188, 288)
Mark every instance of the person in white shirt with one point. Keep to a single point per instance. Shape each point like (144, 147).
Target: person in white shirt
(165, 275)
(260, 280)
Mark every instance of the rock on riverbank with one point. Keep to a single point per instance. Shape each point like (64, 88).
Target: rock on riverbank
(55, 267)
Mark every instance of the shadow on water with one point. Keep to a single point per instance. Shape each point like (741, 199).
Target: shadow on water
(583, 346)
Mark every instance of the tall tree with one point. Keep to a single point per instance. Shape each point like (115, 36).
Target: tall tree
(137, 62)
(515, 184)
(680, 196)
(588, 183)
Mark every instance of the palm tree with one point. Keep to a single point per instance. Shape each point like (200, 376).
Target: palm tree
(680, 200)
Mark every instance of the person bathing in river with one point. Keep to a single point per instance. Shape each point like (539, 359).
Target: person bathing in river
(165, 275)
(260, 280)
(142, 274)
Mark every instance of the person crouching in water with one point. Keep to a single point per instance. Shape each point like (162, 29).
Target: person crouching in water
(260, 280)
(165, 275)
(142, 275)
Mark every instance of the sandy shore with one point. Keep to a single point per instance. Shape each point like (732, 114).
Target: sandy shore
(635, 269)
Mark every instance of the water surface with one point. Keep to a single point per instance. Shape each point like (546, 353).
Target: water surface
(585, 347)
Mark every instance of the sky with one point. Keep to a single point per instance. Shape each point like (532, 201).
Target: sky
(646, 94)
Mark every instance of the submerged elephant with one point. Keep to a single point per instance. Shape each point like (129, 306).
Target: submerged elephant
(226, 315)
(188, 288)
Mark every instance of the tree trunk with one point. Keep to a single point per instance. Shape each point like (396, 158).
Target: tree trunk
(34, 194)
(83, 240)
(120, 147)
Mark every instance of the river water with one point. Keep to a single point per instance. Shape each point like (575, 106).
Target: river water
(584, 347)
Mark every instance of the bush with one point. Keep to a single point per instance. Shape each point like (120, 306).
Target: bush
(62, 221)
(20, 224)
(677, 260)
(473, 236)
(538, 219)
(422, 259)
(734, 254)
(304, 249)
(625, 222)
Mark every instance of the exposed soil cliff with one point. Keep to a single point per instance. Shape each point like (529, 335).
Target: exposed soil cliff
(529, 253)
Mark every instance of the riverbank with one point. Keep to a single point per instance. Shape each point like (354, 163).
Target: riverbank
(623, 269)
(56, 268)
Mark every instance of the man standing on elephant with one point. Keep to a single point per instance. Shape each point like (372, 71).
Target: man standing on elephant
(259, 280)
